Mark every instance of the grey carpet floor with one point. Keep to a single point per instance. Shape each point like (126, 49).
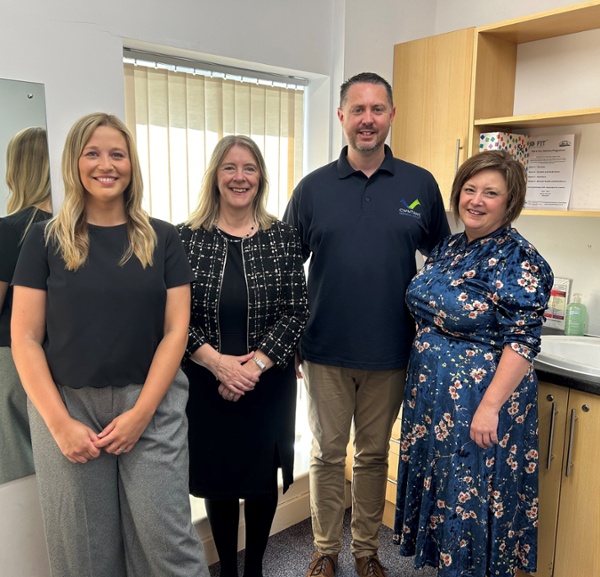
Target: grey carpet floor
(289, 553)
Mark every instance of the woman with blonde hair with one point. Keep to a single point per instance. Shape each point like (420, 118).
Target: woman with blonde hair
(249, 308)
(28, 180)
(28, 149)
(101, 310)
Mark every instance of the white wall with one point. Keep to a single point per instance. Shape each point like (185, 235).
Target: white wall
(23, 550)
(372, 29)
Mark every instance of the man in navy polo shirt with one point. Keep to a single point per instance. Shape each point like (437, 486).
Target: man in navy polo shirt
(361, 220)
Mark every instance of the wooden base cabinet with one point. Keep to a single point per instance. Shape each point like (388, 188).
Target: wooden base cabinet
(578, 536)
(389, 512)
(553, 400)
(569, 495)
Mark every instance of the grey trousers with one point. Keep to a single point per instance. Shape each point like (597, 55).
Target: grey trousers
(126, 515)
(16, 457)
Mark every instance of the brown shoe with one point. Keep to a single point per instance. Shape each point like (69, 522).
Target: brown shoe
(369, 566)
(322, 564)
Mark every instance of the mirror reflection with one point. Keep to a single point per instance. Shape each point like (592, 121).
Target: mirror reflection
(26, 199)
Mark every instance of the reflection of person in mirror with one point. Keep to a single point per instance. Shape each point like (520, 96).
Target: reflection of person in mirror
(100, 317)
(28, 181)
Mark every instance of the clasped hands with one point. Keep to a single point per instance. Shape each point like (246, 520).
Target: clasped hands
(80, 444)
(237, 375)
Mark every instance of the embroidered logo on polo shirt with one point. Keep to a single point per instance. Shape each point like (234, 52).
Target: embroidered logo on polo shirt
(410, 208)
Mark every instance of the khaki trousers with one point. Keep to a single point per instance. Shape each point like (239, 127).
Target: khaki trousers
(337, 396)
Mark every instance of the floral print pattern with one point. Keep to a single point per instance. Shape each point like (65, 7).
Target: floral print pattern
(465, 510)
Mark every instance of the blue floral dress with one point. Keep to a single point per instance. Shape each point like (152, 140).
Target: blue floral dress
(466, 510)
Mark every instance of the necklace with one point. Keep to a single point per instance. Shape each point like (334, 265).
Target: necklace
(251, 231)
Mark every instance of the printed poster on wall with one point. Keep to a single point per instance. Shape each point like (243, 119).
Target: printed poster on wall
(549, 171)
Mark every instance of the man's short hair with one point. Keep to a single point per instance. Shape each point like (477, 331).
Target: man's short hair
(365, 78)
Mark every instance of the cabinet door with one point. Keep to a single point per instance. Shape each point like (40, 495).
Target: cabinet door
(578, 537)
(432, 88)
(552, 401)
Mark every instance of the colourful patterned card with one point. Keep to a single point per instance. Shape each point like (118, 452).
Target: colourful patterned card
(516, 144)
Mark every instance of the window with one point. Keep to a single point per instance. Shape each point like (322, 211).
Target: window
(178, 110)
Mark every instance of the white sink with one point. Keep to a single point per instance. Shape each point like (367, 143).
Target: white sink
(577, 357)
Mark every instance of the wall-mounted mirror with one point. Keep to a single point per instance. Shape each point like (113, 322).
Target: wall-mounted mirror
(22, 104)
(23, 129)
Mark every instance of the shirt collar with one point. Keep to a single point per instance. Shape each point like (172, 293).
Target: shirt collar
(345, 170)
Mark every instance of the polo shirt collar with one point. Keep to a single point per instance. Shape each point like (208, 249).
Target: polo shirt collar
(345, 170)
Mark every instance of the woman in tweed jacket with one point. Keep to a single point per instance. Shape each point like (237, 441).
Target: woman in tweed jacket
(249, 309)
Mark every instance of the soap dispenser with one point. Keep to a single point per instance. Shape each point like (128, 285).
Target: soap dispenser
(575, 318)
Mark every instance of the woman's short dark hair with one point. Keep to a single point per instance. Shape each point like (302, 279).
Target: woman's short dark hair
(512, 170)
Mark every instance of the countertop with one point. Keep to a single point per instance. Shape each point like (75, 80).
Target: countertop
(578, 383)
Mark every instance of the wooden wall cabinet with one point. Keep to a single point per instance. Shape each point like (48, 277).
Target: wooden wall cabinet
(432, 84)
(569, 499)
(450, 88)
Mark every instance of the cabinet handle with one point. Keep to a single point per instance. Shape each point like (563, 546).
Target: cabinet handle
(394, 440)
(390, 480)
(551, 436)
(456, 155)
(570, 450)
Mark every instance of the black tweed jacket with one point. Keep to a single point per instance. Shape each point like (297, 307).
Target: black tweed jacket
(277, 299)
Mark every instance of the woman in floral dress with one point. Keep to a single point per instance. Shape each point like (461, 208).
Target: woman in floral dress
(467, 480)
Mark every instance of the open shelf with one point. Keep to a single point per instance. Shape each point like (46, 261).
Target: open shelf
(564, 118)
(497, 63)
(532, 212)
(567, 20)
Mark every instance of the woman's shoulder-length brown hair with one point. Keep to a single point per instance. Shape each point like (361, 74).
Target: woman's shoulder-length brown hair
(512, 170)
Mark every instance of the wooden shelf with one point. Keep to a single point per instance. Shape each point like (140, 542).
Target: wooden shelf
(585, 116)
(532, 212)
(567, 20)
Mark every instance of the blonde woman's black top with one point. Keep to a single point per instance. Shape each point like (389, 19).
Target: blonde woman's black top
(105, 320)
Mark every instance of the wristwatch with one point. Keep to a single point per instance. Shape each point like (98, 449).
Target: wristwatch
(260, 364)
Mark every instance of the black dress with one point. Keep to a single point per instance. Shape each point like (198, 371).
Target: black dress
(235, 447)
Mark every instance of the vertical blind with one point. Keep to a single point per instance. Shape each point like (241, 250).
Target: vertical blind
(178, 117)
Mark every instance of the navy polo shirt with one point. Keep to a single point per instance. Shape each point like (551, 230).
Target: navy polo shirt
(362, 235)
